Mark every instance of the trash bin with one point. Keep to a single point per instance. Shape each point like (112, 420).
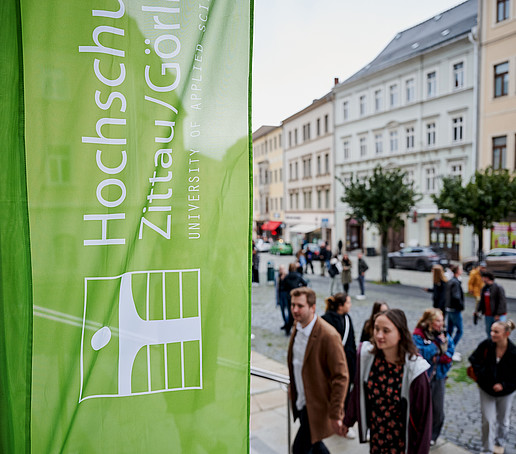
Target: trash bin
(270, 272)
(371, 252)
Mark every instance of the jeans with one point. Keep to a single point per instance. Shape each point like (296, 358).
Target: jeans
(496, 415)
(361, 281)
(283, 303)
(302, 442)
(455, 321)
(489, 320)
(437, 388)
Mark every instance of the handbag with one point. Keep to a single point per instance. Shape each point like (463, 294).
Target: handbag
(471, 373)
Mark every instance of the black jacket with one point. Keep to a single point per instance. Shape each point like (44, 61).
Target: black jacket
(292, 280)
(454, 295)
(340, 323)
(489, 373)
(497, 300)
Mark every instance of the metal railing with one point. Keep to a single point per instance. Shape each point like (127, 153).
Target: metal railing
(282, 380)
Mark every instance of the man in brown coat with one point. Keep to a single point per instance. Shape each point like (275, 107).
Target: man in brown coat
(318, 375)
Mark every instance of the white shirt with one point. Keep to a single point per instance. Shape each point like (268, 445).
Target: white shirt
(298, 357)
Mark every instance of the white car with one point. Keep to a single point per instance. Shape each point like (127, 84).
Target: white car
(262, 246)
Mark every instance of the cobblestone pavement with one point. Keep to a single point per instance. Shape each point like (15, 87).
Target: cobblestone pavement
(462, 425)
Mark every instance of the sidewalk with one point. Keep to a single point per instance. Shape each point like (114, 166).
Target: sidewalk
(269, 423)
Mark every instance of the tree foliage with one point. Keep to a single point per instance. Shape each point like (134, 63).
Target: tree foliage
(382, 200)
(488, 197)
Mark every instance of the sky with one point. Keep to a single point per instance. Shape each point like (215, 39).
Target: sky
(300, 46)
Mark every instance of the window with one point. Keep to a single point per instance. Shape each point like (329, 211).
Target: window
(456, 170)
(307, 199)
(393, 95)
(319, 199)
(430, 134)
(458, 75)
(362, 103)
(296, 170)
(431, 84)
(378, 143)
(363, 146)
(393, 140)
(307, 168)
(290, 139)
(326, 163)
(281, 174)
(378, 100)
(501, 79)
(502, 10)
(327, 198)
(458, 129)
(430, 180)
(410, 90)
(326, 123)
(296, 199)
(291, 175)
(345, 149)
(318, 127)
(306, 132)
(345, 110)
(499, 152)
(319, 170)
(410, 138)
(295, 136)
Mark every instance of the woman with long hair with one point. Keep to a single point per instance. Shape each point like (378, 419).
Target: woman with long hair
(391, 397)
(438, 288)
(345, 275)
(367, 330)
(436, 346)
(494, 364)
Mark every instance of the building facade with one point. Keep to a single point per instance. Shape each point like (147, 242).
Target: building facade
(309, 183)
(268, 185)
(412, 107)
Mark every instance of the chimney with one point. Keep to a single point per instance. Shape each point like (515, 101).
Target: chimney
(336, 81)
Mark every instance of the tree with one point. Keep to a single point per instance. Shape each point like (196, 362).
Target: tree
(381, 200)
(488, 197)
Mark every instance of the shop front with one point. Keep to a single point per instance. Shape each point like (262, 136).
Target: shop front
(445, 236)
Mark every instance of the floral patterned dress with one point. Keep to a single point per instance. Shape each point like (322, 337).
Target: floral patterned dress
(386, 422)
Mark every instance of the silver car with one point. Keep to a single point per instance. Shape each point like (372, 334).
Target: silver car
(420, 258)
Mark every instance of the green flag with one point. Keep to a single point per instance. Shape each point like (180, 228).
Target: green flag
(130, 133)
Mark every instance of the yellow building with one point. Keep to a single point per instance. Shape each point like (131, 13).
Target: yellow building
(497, 95)
(268, 187)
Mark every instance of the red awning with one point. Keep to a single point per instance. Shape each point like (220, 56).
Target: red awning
(270, 225)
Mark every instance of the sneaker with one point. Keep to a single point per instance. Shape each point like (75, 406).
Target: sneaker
(457, 357)
(351, 433)
(360, 297)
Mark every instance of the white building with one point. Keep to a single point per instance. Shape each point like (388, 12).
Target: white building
(309, 182)
(412, 107)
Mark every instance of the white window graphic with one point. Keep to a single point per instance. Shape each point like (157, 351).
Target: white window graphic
(150, 343)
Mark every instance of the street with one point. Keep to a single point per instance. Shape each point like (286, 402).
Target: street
(462, 425)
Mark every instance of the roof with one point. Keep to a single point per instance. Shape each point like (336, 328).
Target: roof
(447, 26)
(263, 130)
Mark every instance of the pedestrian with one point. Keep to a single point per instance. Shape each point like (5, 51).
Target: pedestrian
(255, 267)
(454, 308)
(362, 268)
(324, 258)
(345, 275)
(368, 329)
(282, 295)
(334, 273)
(318, 375)
(436, 347)
(339, 247)
(475, 284)
(301, 260)
(392, 397)
(309, 260)
(292, 280)
(494, 365)
(492, 301)
(337, 315)
(438, 289)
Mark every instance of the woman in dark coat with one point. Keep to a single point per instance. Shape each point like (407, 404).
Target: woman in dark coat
(439, 288)
(494, 364)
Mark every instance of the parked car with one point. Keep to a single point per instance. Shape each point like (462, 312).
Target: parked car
(420, 258)
(262, 246)
(281, 248)
(500, 261)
